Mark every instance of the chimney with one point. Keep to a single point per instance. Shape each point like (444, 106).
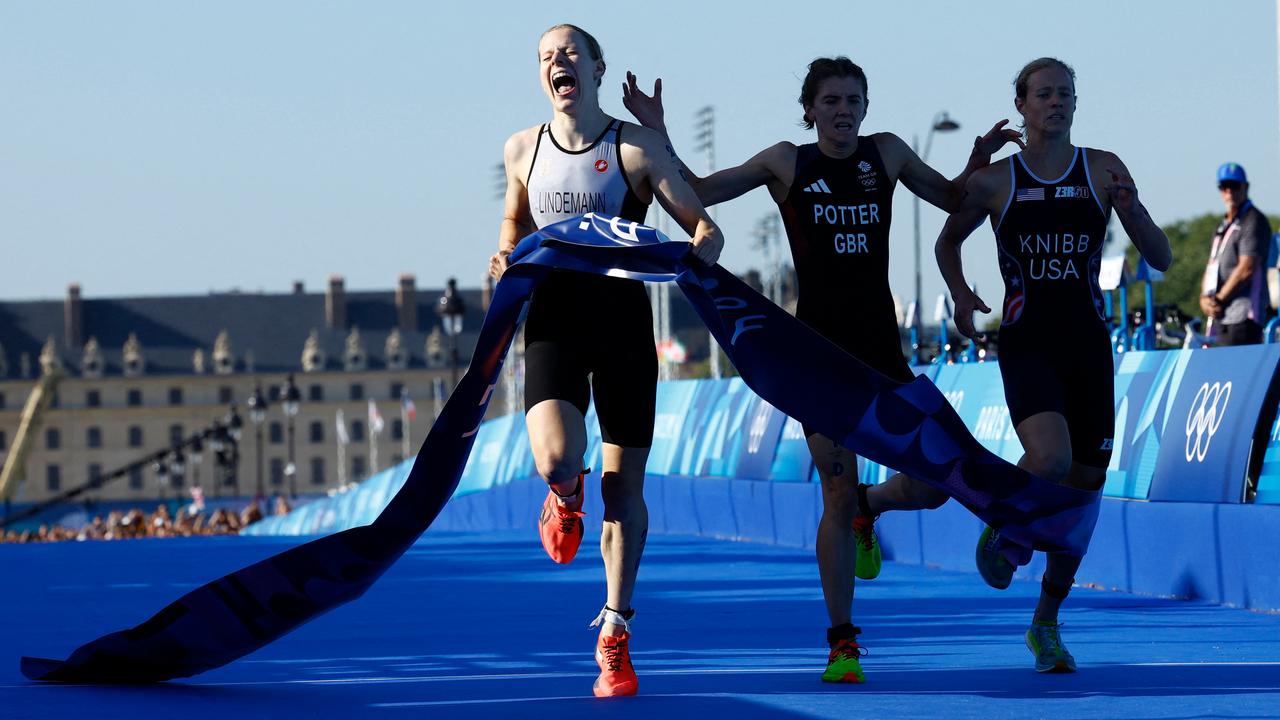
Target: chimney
(406, 304)
(335, 304)
(298, 288)
(73, 318)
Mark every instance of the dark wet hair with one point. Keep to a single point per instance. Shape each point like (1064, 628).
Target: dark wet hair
(824, 68)
(593, 45)
(1031, 68)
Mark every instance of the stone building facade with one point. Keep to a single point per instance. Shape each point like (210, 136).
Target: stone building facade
(140, 374)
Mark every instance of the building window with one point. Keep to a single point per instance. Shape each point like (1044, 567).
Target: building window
(275, 433)
(397, 429)
(176, 480)
(175, 435)
(315, 393)
(95, 473)
(1, 401)
(2, 440)
(135, 436)
(396, 459)
(397, 389)
(93, 437)
(53, 478)
(52, 439)
(357, 391)
(224, 395)
(277, 472)
(175, 396)
(273, 393)
(135, 478)
(317, 471)
(93, 398)
(357, 430)
(357, 467)
(134, 398)
(57, 400)
(317, 432)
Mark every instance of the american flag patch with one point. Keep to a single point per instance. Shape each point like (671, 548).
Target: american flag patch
(1030, 194)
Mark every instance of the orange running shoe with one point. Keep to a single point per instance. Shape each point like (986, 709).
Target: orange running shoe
(617, 675)
(561, 528)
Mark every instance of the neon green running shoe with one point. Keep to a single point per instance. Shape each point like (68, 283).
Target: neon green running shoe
(1044, 641)
(843, 665)
(994, 568)
(867, 565)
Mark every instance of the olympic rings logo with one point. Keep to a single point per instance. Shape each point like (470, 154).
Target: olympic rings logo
(1204, 417)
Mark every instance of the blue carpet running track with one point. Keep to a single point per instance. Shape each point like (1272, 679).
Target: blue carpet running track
(485, 626)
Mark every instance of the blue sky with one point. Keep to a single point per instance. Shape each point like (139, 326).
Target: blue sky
(179, 147)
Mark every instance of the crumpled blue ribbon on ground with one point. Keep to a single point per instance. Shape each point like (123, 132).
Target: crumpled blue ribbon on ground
(906, 426)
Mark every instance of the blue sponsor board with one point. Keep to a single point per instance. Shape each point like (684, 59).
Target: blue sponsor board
(1214, 401)
(674, 399)
(1143, 384)
(791, 459)
(1269, 476)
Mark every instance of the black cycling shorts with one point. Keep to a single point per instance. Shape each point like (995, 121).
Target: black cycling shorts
(1074, 377)
(588, 333)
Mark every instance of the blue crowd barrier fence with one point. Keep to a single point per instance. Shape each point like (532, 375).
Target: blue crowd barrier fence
(1193, 427)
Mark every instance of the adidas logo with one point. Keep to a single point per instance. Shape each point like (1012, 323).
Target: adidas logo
(819, 187)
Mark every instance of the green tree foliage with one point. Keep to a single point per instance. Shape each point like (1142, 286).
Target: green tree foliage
(1190, 241)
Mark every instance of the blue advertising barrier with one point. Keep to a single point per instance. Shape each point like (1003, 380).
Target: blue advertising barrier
(1268, 490)
(1185, 424)
(1215, 399)
(724, 463)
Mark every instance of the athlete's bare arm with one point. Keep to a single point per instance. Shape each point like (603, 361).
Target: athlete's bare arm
(1122, 195)
(985, 192)
(517, 222)
(773, 167)
(656, 173)
(902, 163)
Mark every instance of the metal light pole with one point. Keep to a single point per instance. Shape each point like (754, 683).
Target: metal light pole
(941, 123)
(257, 415)
(197, 458)
(291, 398)
(177, 466)
(235, 431)
(162, 475)
(705, 137)
(450, 308)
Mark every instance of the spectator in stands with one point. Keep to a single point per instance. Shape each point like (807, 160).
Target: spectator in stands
(1233, 292)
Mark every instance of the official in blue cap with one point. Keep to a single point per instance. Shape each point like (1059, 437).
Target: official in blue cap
(1233, 294)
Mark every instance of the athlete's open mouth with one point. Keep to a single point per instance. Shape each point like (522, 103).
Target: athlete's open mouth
(562, 83)
(842, 125)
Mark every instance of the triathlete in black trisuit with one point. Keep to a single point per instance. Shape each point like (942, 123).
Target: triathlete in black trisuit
(1050, 219)
(584, 160)
(835, 197)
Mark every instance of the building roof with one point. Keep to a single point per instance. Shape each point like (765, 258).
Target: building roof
(267, 332)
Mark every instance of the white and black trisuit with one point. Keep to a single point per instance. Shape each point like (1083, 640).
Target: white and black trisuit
(582, 325)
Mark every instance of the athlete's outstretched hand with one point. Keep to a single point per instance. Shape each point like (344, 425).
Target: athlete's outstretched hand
(967, 302)
(498, 264)
(996, 138)
(647, 109)
(707, 245)
(1122, 191)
